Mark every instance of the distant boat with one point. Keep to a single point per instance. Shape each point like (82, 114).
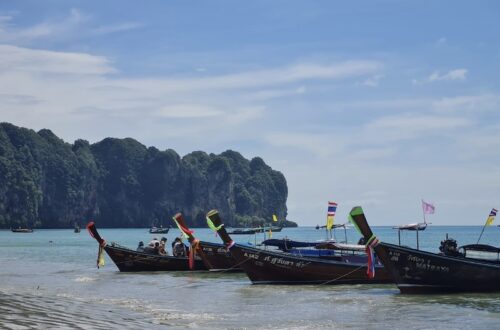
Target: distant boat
(470, 268)
(256, 230)
(427, 208)
(243, 231)
(22, 230)
(158, 230)
(412, 226)
(77, 228)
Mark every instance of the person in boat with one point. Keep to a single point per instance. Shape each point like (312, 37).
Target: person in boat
(140, 247)
(153, 247)
(162, 251)
(153, 242)
(156, 249)
(178, 248)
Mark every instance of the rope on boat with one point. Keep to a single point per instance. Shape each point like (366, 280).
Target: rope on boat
(233, 267)
(346, 274)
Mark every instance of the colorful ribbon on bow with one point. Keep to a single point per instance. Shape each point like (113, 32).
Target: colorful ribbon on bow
(369, 248)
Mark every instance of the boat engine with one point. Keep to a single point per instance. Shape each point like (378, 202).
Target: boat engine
(449, 247)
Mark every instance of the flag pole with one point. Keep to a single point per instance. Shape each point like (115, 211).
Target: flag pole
(488, 222)
(423, 210)
(482, 231)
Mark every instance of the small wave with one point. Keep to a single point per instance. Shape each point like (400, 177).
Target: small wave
(85, 279)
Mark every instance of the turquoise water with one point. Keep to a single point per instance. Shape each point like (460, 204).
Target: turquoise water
(48, 279)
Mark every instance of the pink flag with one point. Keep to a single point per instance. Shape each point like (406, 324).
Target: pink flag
(427, 207)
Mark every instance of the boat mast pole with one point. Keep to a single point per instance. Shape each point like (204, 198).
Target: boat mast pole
(482, 231)
(423, 211)
(417, 237)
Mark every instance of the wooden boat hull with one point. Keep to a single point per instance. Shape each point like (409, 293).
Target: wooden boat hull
(216, 257)
(128, 260)
(268, 267)
(416, 271)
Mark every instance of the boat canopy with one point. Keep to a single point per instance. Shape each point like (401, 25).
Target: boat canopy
(481, 251)
(412, 226)
(340, 246)
(287, 244)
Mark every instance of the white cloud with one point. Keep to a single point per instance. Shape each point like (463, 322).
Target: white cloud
(319, 145)
(85, 89)
(279, 76)
(241, 115)
(372, 81)
(74, 25)
(4, 21)
(468, 103)
(46, 29)
(452, 75)
(409, 122)
(187, 111)
(457, 74)
(17, 59)
(121, 27)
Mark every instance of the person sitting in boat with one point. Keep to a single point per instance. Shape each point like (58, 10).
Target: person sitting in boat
(140, 247)
(162, 251)
(153, 242)
(179, 249)
(152, 247)
(156, 248)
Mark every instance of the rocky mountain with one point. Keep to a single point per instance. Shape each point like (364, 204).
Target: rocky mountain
(48, 183)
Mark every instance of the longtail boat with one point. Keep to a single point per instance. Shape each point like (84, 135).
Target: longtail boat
(246, 231)
(158, 230)
(215, 256)
(452, 270)
(128, 260)
(264, 266)
(21, 230)
(252, 231)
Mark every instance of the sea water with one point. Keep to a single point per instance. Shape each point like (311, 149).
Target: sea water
(49, 280)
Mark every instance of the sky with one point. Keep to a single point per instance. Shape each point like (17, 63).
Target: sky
(372, 103)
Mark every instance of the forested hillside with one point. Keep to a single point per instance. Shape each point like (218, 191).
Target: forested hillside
(48, 183)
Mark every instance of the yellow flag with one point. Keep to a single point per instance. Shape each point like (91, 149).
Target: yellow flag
(100, 257)
(329, 222)
(275, 218)
(491, 217)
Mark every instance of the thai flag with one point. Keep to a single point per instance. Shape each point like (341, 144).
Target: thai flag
(370, 267)
(332, 208)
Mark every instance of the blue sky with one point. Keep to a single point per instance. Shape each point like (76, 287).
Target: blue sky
(372, 103)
